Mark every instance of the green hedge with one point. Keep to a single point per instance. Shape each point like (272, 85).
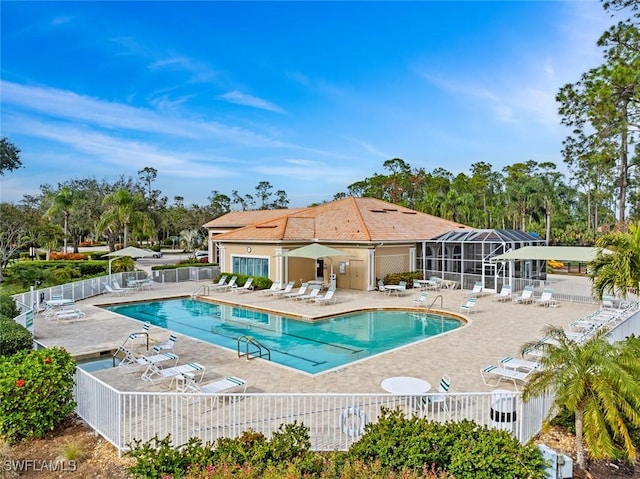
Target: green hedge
(13, 337)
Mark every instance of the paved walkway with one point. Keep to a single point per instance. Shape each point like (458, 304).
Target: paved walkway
(494, 331)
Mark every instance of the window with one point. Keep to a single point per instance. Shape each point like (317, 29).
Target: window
(251, 266)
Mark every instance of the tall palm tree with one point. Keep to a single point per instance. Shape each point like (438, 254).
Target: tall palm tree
(597, 381)
(62, 202)
(124, 208)
(617, 271)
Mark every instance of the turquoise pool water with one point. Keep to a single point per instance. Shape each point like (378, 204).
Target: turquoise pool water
(312, 347)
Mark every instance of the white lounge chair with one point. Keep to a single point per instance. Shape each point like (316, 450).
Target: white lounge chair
(245, 288)
(287, 289)
(117, 292)
(476, 291)
(504, 294)
(167, 346)
(231, 284)
(329, 297)
(440, 399)
(275, 286)
(469, 306)
(68, 313)
(117, 288)
(187, 383)
(153, 373)
(421, 300)
(522, 364)
(546, 299)
(525, 297)
(311, 296)
(494, 375)
(302, 290)
(221, 282)
(129, 359)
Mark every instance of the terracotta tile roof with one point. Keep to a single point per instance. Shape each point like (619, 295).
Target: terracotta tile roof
(346, 220)
(237, 219)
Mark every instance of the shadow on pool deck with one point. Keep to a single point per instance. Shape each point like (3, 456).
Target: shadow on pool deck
(494, 331)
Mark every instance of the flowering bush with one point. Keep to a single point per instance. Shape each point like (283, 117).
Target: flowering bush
(36, 392)
(54, 256)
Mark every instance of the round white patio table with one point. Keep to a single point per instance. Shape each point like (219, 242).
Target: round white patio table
(406, 386)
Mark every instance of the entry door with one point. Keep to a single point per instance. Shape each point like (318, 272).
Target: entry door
(356, 277)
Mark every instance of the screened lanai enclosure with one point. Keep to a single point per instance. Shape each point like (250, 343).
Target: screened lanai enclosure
(465, 257)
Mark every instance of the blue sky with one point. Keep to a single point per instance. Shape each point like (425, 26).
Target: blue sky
(309, 96)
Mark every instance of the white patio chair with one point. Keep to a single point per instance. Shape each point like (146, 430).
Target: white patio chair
(469, 306)
(494, 375)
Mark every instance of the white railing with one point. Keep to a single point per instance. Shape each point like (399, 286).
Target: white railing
(334, 421)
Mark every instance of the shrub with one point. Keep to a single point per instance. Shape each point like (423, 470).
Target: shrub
(395, 278)
(55, 256)
(463, 449)
(36, 392)
(13, 337)
(8, 307)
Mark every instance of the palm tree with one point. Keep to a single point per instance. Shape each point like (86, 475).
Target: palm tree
(597, 381)
(123, 208)
(617, 270)
(190, 240)
(62, 202)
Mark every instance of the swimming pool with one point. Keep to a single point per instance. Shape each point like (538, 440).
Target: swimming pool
(312, 347)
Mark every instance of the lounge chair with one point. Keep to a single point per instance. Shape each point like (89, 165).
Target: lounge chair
(231, 284)
(504, 294)
(221, 282)
(310, 296)
(153, 373)
(116, 291)
(302, 290)
(440, 399)
(116, 287)
(525, 297)
(476, 291)
(71, 313)
(522, 364)
(129, 359)
(287, 289)
(244, 288)
(275, 286)
(329, 297)
(187, 383)
(421, 300)
(546, 299)
(144, 334)
(494, 375)
(468, 306)
(168, 346)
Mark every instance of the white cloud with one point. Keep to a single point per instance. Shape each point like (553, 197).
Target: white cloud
(245, 99)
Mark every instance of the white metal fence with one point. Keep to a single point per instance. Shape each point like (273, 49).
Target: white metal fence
(334, 421)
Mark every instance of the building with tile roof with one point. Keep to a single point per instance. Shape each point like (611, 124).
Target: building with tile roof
(377, 238)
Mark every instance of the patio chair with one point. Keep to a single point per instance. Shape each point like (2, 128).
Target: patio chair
(525, 297)
(493, 375)
(476, 291)
(244, 288)
(129, 359)
(154, 373)
(522, 364)
(287, 289)
(167, 346)
(504, 294)
(71, 313)
(187, 384)
(310, 296)
(221, 282)
(545, 299)
(302, 290)
(440, 399)
(329, 297)
(468, 306)
(382, 288)
(275, 286)
(144, 334)
(421, 300)
(116, 291)
(229, 285)
(116, 287)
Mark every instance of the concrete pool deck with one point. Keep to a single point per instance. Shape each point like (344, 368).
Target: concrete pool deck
(495, 330)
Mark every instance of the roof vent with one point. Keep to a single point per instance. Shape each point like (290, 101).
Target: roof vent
(266, 226)
(409, 212)
(378, 211)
